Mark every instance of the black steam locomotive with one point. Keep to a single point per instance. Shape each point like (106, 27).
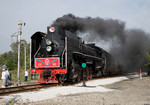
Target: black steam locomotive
(58, 55)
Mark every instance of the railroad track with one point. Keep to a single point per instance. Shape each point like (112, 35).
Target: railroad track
(10, 90)
(24, 88)
(36, 87)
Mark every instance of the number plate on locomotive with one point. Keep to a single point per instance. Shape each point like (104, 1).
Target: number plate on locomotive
(47, 62)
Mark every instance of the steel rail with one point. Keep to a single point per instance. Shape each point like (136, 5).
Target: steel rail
(11, 90)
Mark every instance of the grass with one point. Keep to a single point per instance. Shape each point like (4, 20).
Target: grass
(21, 75)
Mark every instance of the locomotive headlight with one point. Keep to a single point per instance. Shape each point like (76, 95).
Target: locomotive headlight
(48, 48)
(48, 42)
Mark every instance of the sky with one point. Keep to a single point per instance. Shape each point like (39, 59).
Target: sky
(38, 14)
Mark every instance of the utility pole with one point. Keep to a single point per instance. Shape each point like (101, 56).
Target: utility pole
(20, 24)
(25, 56)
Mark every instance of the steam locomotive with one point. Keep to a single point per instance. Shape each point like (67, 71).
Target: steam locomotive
(58, 55)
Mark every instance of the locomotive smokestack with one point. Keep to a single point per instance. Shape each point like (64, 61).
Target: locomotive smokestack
(129, 46)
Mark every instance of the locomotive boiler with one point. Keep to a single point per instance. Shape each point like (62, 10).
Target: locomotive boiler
(57, 57)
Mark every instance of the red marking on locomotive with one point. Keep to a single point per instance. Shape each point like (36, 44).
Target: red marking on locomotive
(47, 62)
(52, 78)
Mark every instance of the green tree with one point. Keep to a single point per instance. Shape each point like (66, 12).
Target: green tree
(10, 58)
(24, 44)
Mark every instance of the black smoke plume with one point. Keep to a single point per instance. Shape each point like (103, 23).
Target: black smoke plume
(105, 29)
(129, 47)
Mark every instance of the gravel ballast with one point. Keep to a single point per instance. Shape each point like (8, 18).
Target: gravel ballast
(97, 92)
(128, 92)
